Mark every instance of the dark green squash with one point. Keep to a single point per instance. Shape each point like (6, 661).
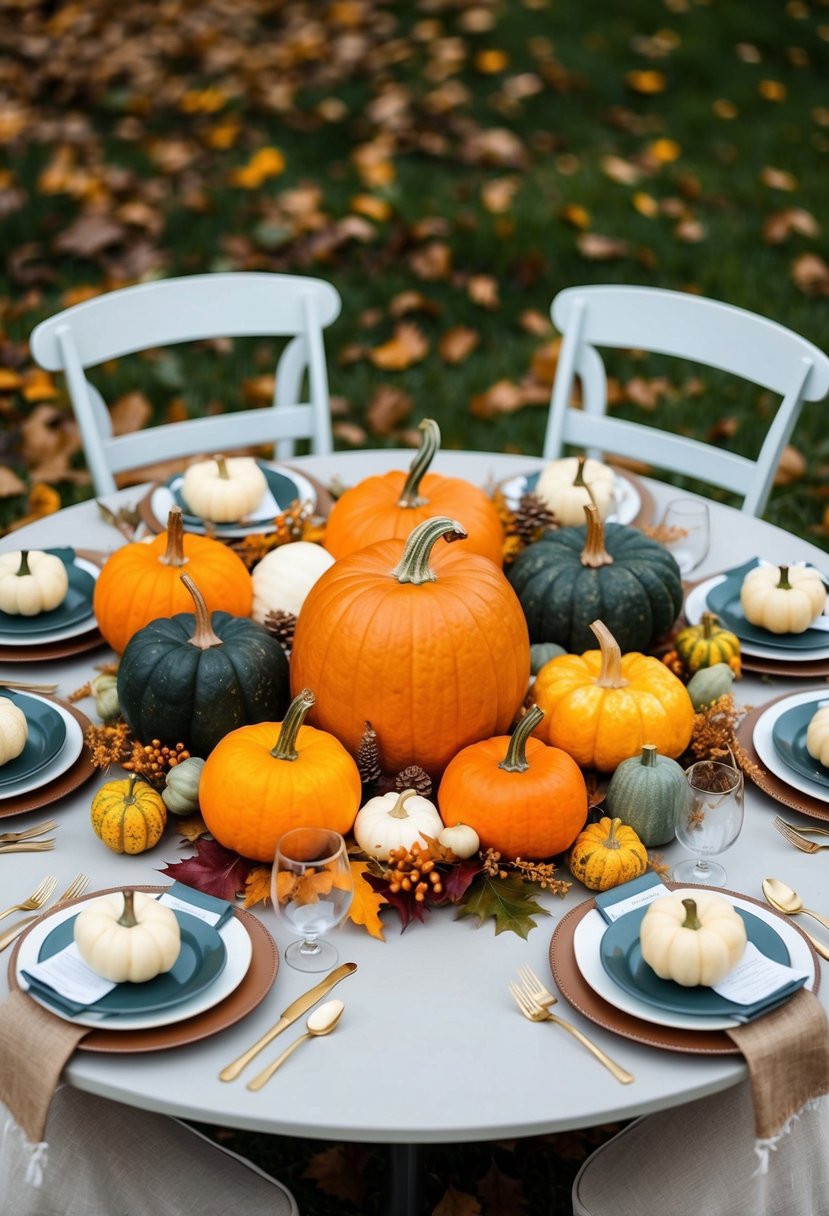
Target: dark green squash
(573, 576)
(191, 679)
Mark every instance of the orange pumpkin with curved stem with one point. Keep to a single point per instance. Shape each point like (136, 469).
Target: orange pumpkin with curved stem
(391, 505)
(430, 647)
(264, 779)
(523, 798)
(140, 583)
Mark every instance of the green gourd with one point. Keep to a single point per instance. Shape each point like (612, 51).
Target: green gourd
(541, 653)
(105, 688)
(192, 679)
(647, 793)
(574, 576)
(181, 786)
(709, 684)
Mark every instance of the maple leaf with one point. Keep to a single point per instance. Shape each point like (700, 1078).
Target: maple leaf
(366, 903)
(408, 346)
(214, 870)
(459, 877)
(457, 1203)
(191, 828)
(506, 900)
(257, 886)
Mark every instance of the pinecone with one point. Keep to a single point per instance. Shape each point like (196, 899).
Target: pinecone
(414, 778)
(531, 518)
(368, 756)
(281, 625)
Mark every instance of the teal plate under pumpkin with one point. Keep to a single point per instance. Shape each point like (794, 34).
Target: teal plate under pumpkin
(76, 606)
(283, 488)
(621, 957)
(789, 738)
(201, 959)
(724, 600)
(47, 735)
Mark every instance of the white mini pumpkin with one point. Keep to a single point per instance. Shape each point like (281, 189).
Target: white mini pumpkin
(128, 937)
(692, 941)
(283, 578)
(395, 821)
(31, 582)
(14, 730)
(564, 483)
(782, 599)
(223, 489)
(461, 839)
(817, 736)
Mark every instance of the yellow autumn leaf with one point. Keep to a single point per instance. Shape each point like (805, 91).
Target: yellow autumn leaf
(458, 343)
(482, 290)
(575, 215)
(257, 886)
(366, 903)
(725, 109)
(408, 346)
(778, 179)
(772, 90)
(191, 828)
(369, 205)
(491, 61)
(647, 81)
(39, 386)
(202, 101)
(9, 380)
(223, 135)
(664, 151)
(645, 204)
(264, 164)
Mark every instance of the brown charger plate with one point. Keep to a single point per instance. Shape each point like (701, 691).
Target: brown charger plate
(794, 669)
(647, 506)
(145, 509)
(253, 989)
(58, 787)
(53, 650)
(581, 996)
(768, 782)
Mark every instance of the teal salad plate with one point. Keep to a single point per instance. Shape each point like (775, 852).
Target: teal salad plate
(789, 738)
(724, 600)
(47, 735)
(76, 607)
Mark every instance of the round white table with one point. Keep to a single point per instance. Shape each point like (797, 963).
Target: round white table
(429, 1005)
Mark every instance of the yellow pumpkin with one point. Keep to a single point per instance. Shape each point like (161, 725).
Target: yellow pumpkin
(706, 644)
(606, 854)
(128, 815)
(602, 707)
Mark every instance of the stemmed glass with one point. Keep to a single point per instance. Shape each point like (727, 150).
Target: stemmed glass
(711, 823)
(687, 532)
(312, 889)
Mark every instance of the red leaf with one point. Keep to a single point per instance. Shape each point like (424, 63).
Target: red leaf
(214, 870)
(404, 901)
(457, 881)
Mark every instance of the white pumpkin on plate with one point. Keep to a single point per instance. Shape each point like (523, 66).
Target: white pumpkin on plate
(128, 937)
(695, 941)
(223, 489)
(572, 483)
(14, 730)
(31, 582)
(817, 736)
(782, 599)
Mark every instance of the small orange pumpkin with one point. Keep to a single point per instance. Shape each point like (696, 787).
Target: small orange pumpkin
(431, 648)
(523, 798)
(140, 583)
(264, 779)
(389, 506)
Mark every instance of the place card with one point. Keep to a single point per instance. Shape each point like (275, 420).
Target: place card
(209, 908)
(66, 981)
(629, 896)
(757, 978)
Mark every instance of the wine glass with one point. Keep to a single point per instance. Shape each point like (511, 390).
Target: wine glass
(687, 530)
(712, 821)
(311, 888)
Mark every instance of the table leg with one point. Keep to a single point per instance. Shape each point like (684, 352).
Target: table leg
(404, 1182)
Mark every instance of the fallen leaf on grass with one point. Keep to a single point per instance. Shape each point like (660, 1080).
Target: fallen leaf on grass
(793, 221)
(482, 289)
(388, 408)
(810, 274)
(130, 413)
(504, 397)
(458, 343)
(10, 483)
(598, 248)
(338, 1171)
(791, 468)
(457, 1203)
(408, 346)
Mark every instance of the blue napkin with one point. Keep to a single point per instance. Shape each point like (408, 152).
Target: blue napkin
(630, 895)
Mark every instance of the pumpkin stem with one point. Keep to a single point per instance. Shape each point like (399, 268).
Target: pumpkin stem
(594, 553)
(413, 566)
(222, 467)
(515, 760)
(784, 584)
(691, 921)
(128, 918)
(610, 674)
(429, 444)
(398, 811)
(649, 755)
(285, 748)
(174, 553)
(129, 797)
(204, 635)
(710, 622)
(579, 481)
(612, 841)
(23, 568)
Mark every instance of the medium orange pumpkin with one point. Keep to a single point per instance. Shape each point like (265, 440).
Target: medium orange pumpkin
(431, 648)
(262, 780)
(523, 798)
(389, 506)
(141, 583)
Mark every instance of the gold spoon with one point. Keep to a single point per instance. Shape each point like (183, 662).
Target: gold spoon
(785, 900)
(321, 1021)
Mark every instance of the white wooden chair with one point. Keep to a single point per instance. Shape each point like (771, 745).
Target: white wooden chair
(195, 307)
(700, 330)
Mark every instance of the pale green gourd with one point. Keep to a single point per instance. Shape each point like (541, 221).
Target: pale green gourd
(647, 793)
(181, 788)
(709, 684)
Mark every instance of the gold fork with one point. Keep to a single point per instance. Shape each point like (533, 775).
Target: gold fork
(75, 888)
(37, 898)
(536, 1012)
(28, 846)
(793, 836)
(40, 829)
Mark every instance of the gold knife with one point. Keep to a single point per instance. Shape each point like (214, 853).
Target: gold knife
(294, 1010)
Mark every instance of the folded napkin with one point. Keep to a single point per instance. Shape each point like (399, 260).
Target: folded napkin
(36, 1044)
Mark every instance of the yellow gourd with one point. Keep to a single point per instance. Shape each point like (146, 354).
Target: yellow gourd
(128, 815)
(606, 854)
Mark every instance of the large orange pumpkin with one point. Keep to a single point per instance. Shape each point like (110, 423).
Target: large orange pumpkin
(431, 648)
(602, 707)
(264, 779)
(141, 583)
(523, 798)
(389, 506)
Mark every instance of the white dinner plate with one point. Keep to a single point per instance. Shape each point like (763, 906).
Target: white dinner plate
(763, 741)
(628, 499)
(58, 635)
(66, 757)
(164, 497)
(239, 953)
(587, 939)
(696, 602)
